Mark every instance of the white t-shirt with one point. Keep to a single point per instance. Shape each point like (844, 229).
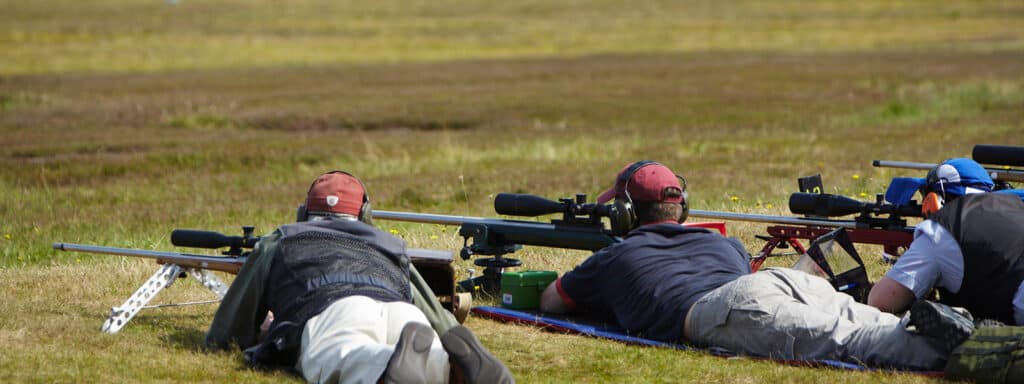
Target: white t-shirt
(934, 260)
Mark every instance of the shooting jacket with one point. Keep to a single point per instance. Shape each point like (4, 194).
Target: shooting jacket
(987, 227)
(297, 272)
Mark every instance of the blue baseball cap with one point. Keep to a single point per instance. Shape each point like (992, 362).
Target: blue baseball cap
(958, 177)
(954, 177)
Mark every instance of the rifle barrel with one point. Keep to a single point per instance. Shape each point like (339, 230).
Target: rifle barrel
(996, 173)
(426, 218)
(849, 224)
(216, 263)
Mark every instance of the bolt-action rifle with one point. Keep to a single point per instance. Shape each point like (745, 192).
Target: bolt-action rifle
(434, 266)
(1003, 156)
(580, 227)
(876, 223)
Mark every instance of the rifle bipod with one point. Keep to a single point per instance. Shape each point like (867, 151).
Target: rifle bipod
(163, 278)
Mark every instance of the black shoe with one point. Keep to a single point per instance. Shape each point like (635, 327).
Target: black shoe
(477, 365)
(409, 362)
(950, 326)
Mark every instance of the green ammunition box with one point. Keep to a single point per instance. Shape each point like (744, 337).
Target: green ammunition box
(521, 290)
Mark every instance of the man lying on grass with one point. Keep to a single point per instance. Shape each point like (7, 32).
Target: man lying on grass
(343, 307)
(674, 283)
(970, 248)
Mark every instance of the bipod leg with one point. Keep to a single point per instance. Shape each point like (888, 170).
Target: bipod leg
(756, 261)
(769, 247)
(210, 281)
(795, 243)
(119, 316)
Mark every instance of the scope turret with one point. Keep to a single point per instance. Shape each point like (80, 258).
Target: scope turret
(828, 205)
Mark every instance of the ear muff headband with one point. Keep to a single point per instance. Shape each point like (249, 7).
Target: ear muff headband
(935, 184)
(627, 175)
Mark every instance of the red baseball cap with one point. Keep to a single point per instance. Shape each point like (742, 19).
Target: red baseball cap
(336, 192)
(647, 184)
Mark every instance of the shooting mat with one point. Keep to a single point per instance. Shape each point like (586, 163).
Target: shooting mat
(580, 326)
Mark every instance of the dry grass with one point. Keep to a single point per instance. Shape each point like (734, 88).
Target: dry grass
(121, 120)
(61, 36)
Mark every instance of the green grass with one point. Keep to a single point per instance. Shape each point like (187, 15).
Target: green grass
(128, 35)
(120, 121)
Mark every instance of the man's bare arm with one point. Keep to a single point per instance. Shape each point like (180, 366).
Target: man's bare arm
(551, 301)
(890, 296)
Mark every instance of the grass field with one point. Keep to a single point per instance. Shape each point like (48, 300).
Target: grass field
(121, 120)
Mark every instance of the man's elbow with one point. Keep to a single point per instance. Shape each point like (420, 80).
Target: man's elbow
(551, 301)
(890, 296)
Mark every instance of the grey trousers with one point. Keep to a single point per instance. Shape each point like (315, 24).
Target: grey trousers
(788, 314)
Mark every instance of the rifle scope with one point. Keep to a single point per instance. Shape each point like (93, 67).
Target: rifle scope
(518, 204)
(998, 154)
(212, 240)
(828, 205)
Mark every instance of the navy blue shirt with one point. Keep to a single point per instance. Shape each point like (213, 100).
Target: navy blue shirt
(648, 282)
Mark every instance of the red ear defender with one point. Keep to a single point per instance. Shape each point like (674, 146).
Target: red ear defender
(932, 203)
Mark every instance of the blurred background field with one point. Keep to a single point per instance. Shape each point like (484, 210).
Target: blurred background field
(121, 120)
